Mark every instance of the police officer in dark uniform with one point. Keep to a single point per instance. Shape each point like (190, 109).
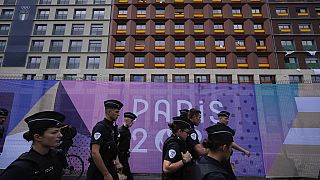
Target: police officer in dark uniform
(223, 122)
(3, 118)
(209, 167)
(42, 162)
(174, 153)
(193, 117)
(124, 143)
(103, 146)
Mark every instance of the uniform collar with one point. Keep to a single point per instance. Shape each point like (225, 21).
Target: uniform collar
(190, 122)
(125, 127)
(37, 153)
(108, 122)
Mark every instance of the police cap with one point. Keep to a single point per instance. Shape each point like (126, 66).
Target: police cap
(111, 103)
(130, 115)
(44, 120)
(220, 133)
(224, 113)
(180, 123)
(3, 112)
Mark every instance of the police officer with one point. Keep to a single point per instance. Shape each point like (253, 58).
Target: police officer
(124, 143)
(104, 144)
(41, 162)
(3, 118)
(223, 122)
(174, 152)
(209, 167)
(193, 117)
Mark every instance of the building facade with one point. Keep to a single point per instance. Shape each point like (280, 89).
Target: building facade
(210, 41)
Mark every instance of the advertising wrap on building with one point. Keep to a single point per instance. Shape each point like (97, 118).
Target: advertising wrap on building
(278, 124)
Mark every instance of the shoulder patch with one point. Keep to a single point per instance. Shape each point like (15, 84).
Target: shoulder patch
(97, 135)
(172, 153)
(193, 136)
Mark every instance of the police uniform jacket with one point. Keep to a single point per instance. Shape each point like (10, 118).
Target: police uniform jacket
(34, 166)
(124, 139)
(172, 149)
(192, 141)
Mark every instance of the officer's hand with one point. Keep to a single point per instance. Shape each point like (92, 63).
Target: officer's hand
(108, 177)
(247, 153)
(118, 165)
(186, 156)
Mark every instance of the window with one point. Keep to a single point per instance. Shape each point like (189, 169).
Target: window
(58, 29)
(304, 26)
(236, 11)
(267, 79)
(311, 60)
(2, 45)
(73, 63)
(291, 60)
(239, 43)
(93, 62)
(263, 60)
(98, 14)
(179, 11)
(56, 45)
(117, 77)
(122, 11)
(160, 26)
(61, 14)
(217, 11)
(79, 14)
(33, 63)
(219, 43)
(90, 77)
(181, 78)
(141, 11)
(43, 14)
(53, 63)
(121, 43)
(141, 27)
(241, 60)
(281, 10)
(294, 79)
(245, 79)
(139, 60)
(302, 10)
(119, 60)
(317, 9)
(200, 60)
(138, 78)
(160, 11)
(221, 59)
(287, 45)
(37, 45)
(315, 78)
(49, 77)
(96, 29)
(179, 27)
(159, 60)
(260, 42)
(140, 43)
(198, 26)
(75, 46)
(237, 26)
(224, 79)
(77, 29)
(4, 29)
(307, 42)
(81, 1)
(308, 45)
(198, 42)
(158, 78)
(257, 26)
(159, 43)
(63, 2)
(95, 46)
(1, 61)
(9, 2)
(179, 43)
(39, 29)
(6, 14)
(69, 77)
(218, 26)
(179, 60)
(284, 26)
(201, 78)
(255, 11)
(99, 2)
(121, 27)
(29, 76)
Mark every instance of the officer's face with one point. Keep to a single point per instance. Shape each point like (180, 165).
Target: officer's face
(2, 119)
(129, 121)
(226, 149)
(224, 120)
(183, 134)
(113, 114)
(196, 119)
(51, 137)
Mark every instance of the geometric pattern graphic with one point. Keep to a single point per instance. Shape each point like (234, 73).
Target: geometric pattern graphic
(272, 121)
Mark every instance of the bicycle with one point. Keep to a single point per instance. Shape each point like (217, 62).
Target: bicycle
(75, 168)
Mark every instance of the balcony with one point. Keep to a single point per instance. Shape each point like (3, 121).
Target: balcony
(200, 48)
(199, 31)
(303, 14)
(120, 48)
(292, 65)
(198, 15)
(285, 30)
(221, 65)
(141, 16)
(160, 1)
(245, 65)
(220, 48)
(180, 65)
(118, 65)
(237, 15)
(179, 48)
(218, 31)
(179, 1)
(313, 65)
(257, 15)
(305, 30)
(261, 48)
(139, 48)
(160, 48)
(201, 65)
(179, 31)
(240, 48)
(198, 1)
(217, 15)
(216, 0)
(139, 65)
(309, 48)
(179, 15)
(121, 31)
(259, 31)
(140, 31)
(235, 0)
(122, 16)
(159, 65)
(283, 14)
(288, 48)
(160, 31)
(255, 0)
(123, 1)
(160, 16)
(239, 31)
(264, 65)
